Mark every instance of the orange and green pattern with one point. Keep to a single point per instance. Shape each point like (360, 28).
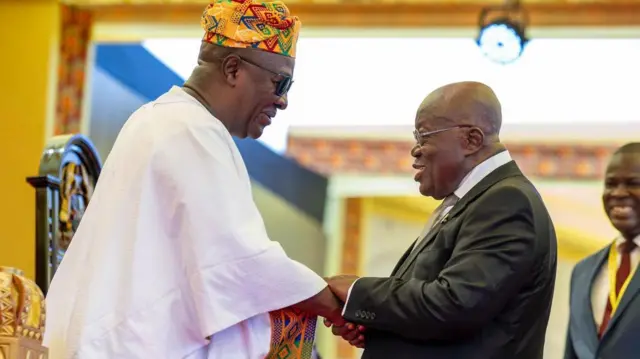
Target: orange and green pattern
(292, 334)
(251, 24)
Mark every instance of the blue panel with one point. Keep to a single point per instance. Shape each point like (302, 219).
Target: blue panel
(111, 105)
(136, 68)
(304, 189)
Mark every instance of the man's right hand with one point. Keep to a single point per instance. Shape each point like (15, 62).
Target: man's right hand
(349, 332)
(324, 304)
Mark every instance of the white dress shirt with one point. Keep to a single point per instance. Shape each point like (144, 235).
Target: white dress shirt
(468, 182)
(601, 287)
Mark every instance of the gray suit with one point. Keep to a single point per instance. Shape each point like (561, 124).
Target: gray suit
(621, 340)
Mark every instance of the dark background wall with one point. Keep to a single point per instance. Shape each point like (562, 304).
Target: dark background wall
(290, 197)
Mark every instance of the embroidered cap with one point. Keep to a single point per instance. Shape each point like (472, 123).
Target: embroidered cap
(251, 24)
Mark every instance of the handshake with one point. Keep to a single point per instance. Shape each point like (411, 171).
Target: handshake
(352, 333)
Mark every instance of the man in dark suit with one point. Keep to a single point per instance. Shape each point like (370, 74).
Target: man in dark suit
(478, 282)
(605, 306)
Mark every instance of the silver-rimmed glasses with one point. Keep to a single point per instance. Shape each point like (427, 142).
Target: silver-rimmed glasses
(421, 137)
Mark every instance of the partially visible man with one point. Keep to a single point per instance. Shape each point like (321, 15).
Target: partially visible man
(172, 259)
(478, 282)
(605, 305)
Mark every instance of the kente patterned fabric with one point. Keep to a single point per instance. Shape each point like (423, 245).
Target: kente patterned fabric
(251, 24)
(292, 334)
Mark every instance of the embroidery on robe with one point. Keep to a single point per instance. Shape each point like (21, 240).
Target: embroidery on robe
(292, 334)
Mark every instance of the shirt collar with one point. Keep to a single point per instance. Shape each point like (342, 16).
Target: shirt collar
(621, 240)
(481, 171)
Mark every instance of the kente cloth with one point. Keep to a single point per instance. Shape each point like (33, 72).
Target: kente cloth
(172, 259)
(251, 24)
(292, 334)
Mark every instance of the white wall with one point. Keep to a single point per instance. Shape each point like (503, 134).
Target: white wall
(387, 239)
(557, 329)
(301, 236)
(348, 74)
(577, 205)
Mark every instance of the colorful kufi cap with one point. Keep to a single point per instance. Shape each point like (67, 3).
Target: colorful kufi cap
(251, 24)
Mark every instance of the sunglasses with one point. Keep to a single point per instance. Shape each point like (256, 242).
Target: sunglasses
(282, 86)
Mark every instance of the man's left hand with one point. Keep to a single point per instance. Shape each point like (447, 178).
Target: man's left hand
(340, 285)
(350, 332)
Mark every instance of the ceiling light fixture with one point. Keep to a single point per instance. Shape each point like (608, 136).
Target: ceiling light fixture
(501, 37)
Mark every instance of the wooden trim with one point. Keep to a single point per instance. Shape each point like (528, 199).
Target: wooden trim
(394, 15)
(351, 252)
(353, 228)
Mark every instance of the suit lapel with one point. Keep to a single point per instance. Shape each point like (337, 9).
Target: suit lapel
(628, 295)
(508, 170)
(583, 289)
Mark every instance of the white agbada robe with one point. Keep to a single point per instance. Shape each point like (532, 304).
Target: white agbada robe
(172, 250)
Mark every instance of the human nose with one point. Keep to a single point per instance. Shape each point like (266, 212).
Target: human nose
(619, 190)
(415, 151)
(283, 102)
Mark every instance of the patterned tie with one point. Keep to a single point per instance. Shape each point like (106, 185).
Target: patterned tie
(439, 212)
(621, 276)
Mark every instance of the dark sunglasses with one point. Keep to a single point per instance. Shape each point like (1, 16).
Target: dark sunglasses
(282, 86)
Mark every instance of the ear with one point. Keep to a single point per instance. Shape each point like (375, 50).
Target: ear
(473, 141)
(230, 67)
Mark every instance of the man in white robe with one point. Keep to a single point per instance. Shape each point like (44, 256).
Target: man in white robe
(172, 259)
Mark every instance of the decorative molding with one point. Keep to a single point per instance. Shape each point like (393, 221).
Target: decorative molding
(74, 44)
(91, 3)
(375, 14)
(392, 157)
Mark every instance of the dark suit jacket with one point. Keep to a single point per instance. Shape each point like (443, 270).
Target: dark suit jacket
(478, 286)
(621, 340)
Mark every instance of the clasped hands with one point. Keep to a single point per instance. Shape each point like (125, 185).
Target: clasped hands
(350, 332)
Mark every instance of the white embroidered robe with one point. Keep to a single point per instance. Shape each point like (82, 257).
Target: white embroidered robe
(172, 250)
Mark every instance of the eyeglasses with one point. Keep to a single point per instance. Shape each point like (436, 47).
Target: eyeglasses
(282, 86)
(421, 137)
